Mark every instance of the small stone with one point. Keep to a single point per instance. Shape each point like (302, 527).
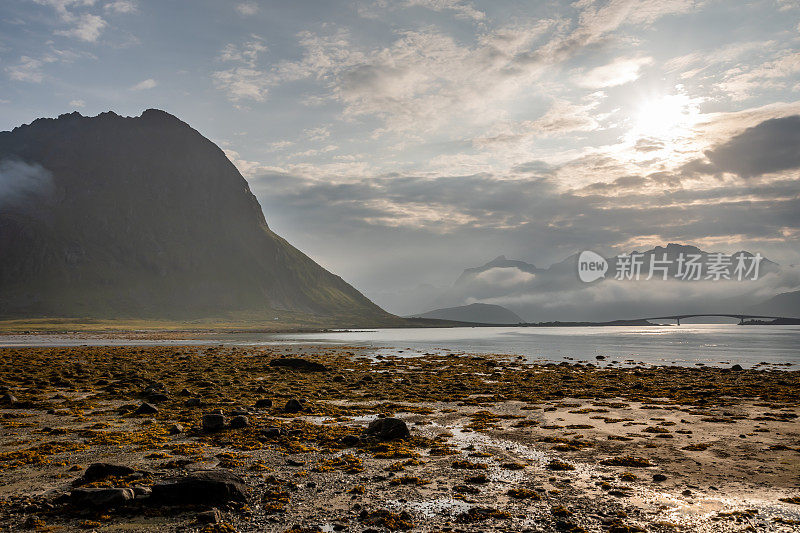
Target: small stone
(8, 399)
(238, 422)
(193, 402)
(388, 429)
(293, 406)
(213, 422)
(158, 397)
(687, 492)
(349, 440)
(658, 478)
(146, 409)
(212, 516)
(263, 403)
(736, 367)
(271, 432)
(175, 429)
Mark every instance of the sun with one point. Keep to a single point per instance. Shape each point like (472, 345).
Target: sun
(661, 127)
(665, 118)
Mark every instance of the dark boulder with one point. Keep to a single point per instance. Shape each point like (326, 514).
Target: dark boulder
(8, 399)
(293, 406)
(201, 487)
(388, 429)
(146, 409)
(238, 422)
(101, 497)
(213, 422)
(97, 471)
(295, 363)
(263, 403)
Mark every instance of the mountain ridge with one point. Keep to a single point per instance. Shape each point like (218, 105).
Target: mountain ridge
(145, 217)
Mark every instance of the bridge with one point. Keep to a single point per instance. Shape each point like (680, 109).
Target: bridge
(741, 318)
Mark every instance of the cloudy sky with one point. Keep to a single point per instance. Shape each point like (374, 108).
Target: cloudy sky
(398, 142)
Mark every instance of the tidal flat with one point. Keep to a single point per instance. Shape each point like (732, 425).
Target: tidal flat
(304, 438)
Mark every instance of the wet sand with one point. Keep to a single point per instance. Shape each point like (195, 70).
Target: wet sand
(495, 444)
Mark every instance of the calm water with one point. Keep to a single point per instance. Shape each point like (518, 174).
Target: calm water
(690, 344)
(711, 344)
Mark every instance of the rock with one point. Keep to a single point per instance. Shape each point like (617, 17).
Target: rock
(293, 406)
(158, 397)
(8, 399)
(349, 440)
(388, 429)
(600, 357)
(295, 363)
(193, 402)
(175, 429)
(687, 492)
(338, 378)
(146, 409)
(96, 471)
(658, 478)
(101, 497)
(263, 403)
(141, 491)
(213, 422)
(737, 367)
(238, 422)
(201, 487)
(212, 516)
(271, 432)
(240, 411)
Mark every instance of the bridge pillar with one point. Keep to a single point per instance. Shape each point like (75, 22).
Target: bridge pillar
(679, 321)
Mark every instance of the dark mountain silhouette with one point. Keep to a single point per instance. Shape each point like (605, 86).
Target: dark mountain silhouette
(785, 304)
(556, 293)
(477, 312)
(144, 217)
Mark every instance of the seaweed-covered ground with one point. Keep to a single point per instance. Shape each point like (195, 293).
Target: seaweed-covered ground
(284, 438)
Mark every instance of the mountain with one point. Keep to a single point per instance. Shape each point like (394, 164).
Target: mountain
(786, 304)
(470, 274)
(556, 293)
(113, 216)
(477, 312)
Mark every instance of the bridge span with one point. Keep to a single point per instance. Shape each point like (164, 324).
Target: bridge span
(741, 317)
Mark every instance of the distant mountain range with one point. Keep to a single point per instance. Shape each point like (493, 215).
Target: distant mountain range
(113, 216)
(476, 312)
(555, 293)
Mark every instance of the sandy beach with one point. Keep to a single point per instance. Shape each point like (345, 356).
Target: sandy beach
(311, 438)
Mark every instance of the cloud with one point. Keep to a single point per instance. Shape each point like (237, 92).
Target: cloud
(247, 9)
(743, 81)
(83, 26)
(244, 80)
(461, 9)
(772, 146)
(21, 182)
(121, 6)
(28, 69)
(143, 85)
(618, 72)
(77, 103)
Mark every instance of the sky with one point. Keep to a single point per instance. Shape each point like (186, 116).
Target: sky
(399, 142)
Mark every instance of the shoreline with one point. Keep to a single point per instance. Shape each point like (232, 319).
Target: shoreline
(491, 443)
